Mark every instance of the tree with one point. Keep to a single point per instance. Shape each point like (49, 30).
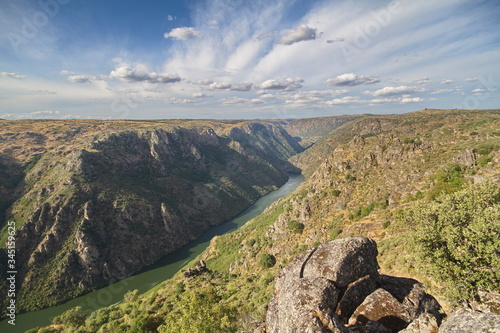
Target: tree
(458, 238)
(200, 312)
(267, 260)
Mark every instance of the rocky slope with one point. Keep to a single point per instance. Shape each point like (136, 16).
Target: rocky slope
(104, 204)
(311, 130)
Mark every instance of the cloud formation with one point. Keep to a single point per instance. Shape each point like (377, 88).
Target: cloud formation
(78, 79)
(287, 85)
(244, 86)
(351, 79)
(183, 33)
(129, 74)
(394, 91)
(299, 34)
(12, 75)
(241, 101)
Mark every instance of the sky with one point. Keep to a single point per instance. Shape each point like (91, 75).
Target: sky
(237, 59)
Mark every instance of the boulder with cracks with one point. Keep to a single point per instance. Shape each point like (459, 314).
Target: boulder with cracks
(336, 288)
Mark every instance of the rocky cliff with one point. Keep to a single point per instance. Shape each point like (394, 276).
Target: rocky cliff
(100, 207)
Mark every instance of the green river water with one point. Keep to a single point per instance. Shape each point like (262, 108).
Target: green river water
(151, 276)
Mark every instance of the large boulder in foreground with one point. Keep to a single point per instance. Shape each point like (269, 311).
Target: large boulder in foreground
(336, 288)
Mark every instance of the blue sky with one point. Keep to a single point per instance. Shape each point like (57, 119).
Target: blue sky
(245, 59)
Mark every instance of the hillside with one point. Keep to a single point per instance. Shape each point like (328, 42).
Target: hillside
(370, 177)
(311, 130)
(94, 202)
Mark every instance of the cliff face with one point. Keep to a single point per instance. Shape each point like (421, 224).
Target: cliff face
(113, 204)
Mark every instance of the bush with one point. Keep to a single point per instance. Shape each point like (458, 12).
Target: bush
(335, 232)
(336, 193)
(295, 226)
(458, 239)
(251, 242)
(72, 318)
(267, 260)
(483, 160)
(201, 311)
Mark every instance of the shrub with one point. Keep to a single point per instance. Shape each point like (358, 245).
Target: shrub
(386, 224)
(72, 318)
(483, 160)
(350, 178)
(267, 260)
(251, 242)
(335, 232)
(295, 226)
(201, 311)
(458, 239)
(336, 193)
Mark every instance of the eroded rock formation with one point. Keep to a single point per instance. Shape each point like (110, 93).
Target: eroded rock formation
(336, 287)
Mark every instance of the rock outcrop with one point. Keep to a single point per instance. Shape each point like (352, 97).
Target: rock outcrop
(336, 287)
(467, 320)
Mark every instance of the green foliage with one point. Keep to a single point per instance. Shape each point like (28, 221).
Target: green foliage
(446, 181)
(386, 224)
(295, 226)
(336, 193)
(350, 178)
(487, 147)
(335, 232)
(363, 211)
(97, 319)
(200, 312)
(483, 160)
(408, 140)
(458, 238)
(251, 242)
(267, 260)
(72, 318)
(131, 296)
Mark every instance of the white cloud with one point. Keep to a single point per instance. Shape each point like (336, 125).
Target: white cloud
(204, 82)
(171, 18)
(129, 74)
(345, 100)
(441, 91)
(184, 33)
(447, 81)
(287, 85)
(241, 101)
(299, 34)
(422, 81)
(320, 93)
(393, 91)
(45, 91)
(471, 79)
(201, 95)
(244, 86)
(267, 96)
(411, 99)
(174, 100)
(45, 112)
(351, 79)
(13, 75)
(78, 79)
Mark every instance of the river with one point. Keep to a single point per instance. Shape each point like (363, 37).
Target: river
(152, 275)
